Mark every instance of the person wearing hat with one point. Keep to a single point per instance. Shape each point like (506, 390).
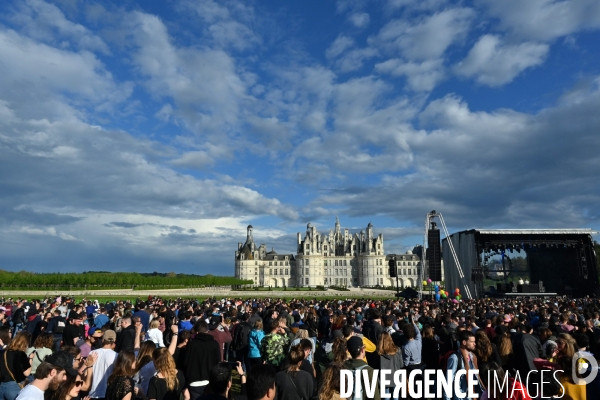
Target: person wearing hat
(102, 368)
(49, 375)
(356, 348)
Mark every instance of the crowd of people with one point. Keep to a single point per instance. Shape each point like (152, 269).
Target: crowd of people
(174, 349)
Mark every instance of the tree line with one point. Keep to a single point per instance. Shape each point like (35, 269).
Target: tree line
(113, 279)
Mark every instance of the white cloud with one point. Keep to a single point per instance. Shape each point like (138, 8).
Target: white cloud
(354, 59)
(493, 63)
(341, 44)
(422, 76)
(359, 20)
(46, 22)
(425, 38)
(544, 19)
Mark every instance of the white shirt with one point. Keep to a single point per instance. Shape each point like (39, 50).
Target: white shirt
(31, 392)
(102, 369)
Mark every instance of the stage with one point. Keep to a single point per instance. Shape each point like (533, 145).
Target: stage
(553, 261)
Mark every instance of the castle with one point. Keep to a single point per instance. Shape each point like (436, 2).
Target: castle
(336, 259)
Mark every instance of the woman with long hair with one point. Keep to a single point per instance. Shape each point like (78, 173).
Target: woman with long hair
(69, 389)
(505, 350)
(120, 383)
(144, 367)
(330, 389)
(339, 349)
(431, 348)
(390, 357)
(293, 382)
(485, 349)
(15, 366)
(566, 345)
(256, 336)
(168, 383)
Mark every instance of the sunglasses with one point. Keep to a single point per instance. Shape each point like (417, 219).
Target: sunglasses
(78, 383)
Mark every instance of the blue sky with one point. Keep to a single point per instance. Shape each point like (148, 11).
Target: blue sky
(147, 135)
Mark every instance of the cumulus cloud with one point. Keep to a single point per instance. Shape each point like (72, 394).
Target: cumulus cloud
(427, 37)
(422, 76)
(493, 63)
(544, 20)
(359, 20)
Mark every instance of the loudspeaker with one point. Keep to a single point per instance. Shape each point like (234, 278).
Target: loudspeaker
(434, 254)
(392, 268)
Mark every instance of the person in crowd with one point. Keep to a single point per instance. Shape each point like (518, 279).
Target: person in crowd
(120, 382)
(430, 351)
(126, 338)
(103, 367)
(485, 350)
(219, 329)
(492, 380)
(220, 381)
(15, 366)
(202, 354)
(49, 375)
(411, 351)
(274, 345)
(566, 345)
(154, 333)
(260, 384)
(463, 358)
(256, 336)
(391, 357)
(101, 319)
(74, 332)
(330, 389)
(526, 348)
(168, 383)
(356, 348)
(294, 382)
(145, 368)
(42, 347)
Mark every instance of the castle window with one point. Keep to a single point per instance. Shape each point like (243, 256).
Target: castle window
(307, 262)
(286, 271)
(325, 263)
(306, 271)
(307, 281)
(280, 271)
(275, 271)
(286, 263)
(308, 247)
(345, 263)
(270, 263)
(325, 248)
(379, 246)
(256, 272)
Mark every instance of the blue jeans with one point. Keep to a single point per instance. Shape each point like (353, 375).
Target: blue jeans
(9, 390)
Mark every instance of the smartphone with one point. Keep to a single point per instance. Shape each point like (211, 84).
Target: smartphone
(233, 365)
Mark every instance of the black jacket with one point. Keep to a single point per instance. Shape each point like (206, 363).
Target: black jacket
(526, 347)
(201, 355)
(126, 339)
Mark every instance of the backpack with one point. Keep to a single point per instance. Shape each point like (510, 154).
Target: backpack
(443, 363)
(357, 395)
(59, 327)
(241, 335)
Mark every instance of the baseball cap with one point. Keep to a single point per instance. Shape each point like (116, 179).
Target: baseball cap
(109, 335)
(64, 360)
(354, 344)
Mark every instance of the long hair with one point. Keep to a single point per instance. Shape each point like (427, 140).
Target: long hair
(505, 348)
(569, 349)
(386, 345)
(483, 346)
(145, 354)
(331, 381)
(339, 349)
(428, 332)
(64, 388)
(164, 363)
(20, 342)
(123, 364)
